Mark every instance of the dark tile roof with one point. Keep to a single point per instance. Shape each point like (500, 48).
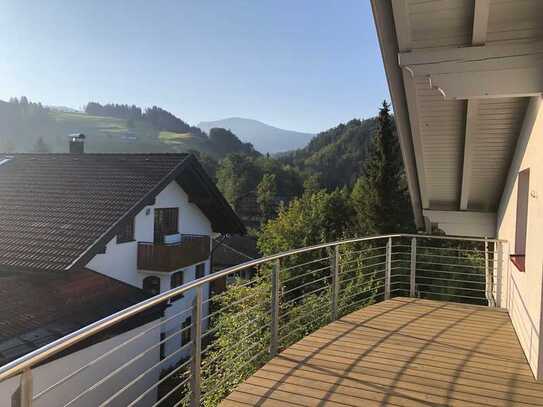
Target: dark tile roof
(57, 209)
(233, 250)
(38, 308)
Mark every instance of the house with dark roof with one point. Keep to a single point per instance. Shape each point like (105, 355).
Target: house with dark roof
(83, 236)
(230, 251)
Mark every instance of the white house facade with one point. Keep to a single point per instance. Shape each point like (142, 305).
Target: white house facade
(90, 235)
(120, 261)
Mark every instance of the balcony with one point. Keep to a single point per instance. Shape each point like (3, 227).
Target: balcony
(191, 249)
(403, 351)
(386, 320)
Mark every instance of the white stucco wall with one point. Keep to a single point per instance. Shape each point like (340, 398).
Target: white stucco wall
(48, 374)
(524, 290)
(120, 260)
(178, 311)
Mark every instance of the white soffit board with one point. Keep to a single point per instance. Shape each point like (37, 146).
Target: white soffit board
(495, 134)
(441, 128)
(486, 51)
(515, 20)
(442, 23)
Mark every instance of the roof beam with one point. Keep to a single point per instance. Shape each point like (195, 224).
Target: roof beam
(453, 56)
(480, 71)
(480, 22)
(480, 28)
(518, 82)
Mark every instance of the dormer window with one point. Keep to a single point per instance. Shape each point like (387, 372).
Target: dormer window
(126, 234)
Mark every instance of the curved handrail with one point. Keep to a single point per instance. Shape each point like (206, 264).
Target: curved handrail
(38, 356)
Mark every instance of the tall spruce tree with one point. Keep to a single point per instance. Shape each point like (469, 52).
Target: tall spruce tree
(380, 197)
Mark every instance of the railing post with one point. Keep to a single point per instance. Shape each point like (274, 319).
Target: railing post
(196, 334)
(335, 282)
(488, 278)
(412, 276)
(388, 268)
(25, 388)
(274, 343)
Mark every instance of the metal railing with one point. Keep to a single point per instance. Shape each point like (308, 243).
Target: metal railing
(288, 296)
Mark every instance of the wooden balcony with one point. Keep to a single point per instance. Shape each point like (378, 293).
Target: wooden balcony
(401, 352)
(192, 249)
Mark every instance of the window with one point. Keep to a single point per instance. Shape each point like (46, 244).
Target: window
(151, 285)
(126, 234)
(176, 280)
(521, 228)
(185, 335)
(166, 223)
(200, 270)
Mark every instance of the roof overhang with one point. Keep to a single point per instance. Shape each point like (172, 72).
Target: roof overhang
(384, 23)
(460, 76)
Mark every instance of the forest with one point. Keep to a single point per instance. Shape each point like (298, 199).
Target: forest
(261, 187)
(158, 118)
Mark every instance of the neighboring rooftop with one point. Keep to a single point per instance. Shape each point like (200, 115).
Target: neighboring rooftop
(38, 308)
(234, 250)
(58, 210)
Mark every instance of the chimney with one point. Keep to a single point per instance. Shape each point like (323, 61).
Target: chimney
(77, 143)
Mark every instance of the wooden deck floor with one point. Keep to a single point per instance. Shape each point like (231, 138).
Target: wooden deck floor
(401, 352)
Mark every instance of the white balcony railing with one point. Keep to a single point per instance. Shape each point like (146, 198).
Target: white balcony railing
(287, 296)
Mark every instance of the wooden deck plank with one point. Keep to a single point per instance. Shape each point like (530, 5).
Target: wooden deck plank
(401, 352)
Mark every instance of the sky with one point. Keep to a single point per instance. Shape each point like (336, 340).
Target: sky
(303, 65)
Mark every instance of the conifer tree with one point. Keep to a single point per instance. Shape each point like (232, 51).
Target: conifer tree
(380, 197)
(266, 192)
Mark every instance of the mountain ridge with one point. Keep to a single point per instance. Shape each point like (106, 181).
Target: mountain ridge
(264, 137)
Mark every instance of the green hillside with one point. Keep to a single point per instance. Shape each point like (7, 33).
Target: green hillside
(26, 126)
(107, 134)
(336, 156)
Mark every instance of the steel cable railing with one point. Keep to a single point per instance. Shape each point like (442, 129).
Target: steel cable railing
(284, 298)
